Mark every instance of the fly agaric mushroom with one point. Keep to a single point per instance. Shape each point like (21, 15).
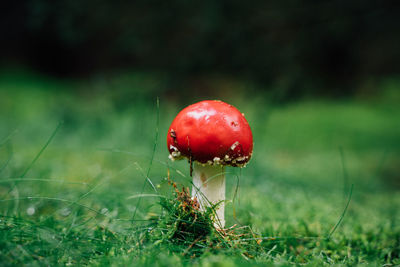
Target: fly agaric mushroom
(211, 134)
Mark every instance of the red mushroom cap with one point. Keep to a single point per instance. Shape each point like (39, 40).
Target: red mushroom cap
(211, 132)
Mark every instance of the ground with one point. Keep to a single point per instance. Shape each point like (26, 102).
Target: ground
(74, 190)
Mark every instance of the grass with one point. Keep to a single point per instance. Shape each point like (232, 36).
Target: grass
(87, 192)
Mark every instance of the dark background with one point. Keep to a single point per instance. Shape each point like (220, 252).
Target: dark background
(330, 48)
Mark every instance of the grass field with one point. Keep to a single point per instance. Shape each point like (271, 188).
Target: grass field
(73, 187)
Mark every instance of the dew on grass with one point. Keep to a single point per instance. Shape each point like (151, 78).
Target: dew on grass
(30, 211)
(104, 211)
(65, 212)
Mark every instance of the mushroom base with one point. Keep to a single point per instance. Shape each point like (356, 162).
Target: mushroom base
(209, 189)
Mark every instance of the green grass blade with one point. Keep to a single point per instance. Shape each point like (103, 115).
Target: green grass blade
(343, 213)
(42, 150)
(345, 174)
(151, 159)
(10, 155)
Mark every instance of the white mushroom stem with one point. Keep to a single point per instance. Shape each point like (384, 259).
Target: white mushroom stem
(209, 188)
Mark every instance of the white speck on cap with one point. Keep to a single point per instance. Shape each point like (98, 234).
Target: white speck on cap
(234, 145)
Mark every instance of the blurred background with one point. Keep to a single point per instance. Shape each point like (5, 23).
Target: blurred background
(318, 82)
(285, 51)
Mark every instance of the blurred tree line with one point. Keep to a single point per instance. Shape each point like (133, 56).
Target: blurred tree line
(299, 46)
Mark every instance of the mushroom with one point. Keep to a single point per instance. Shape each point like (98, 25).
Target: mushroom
(211, 134)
